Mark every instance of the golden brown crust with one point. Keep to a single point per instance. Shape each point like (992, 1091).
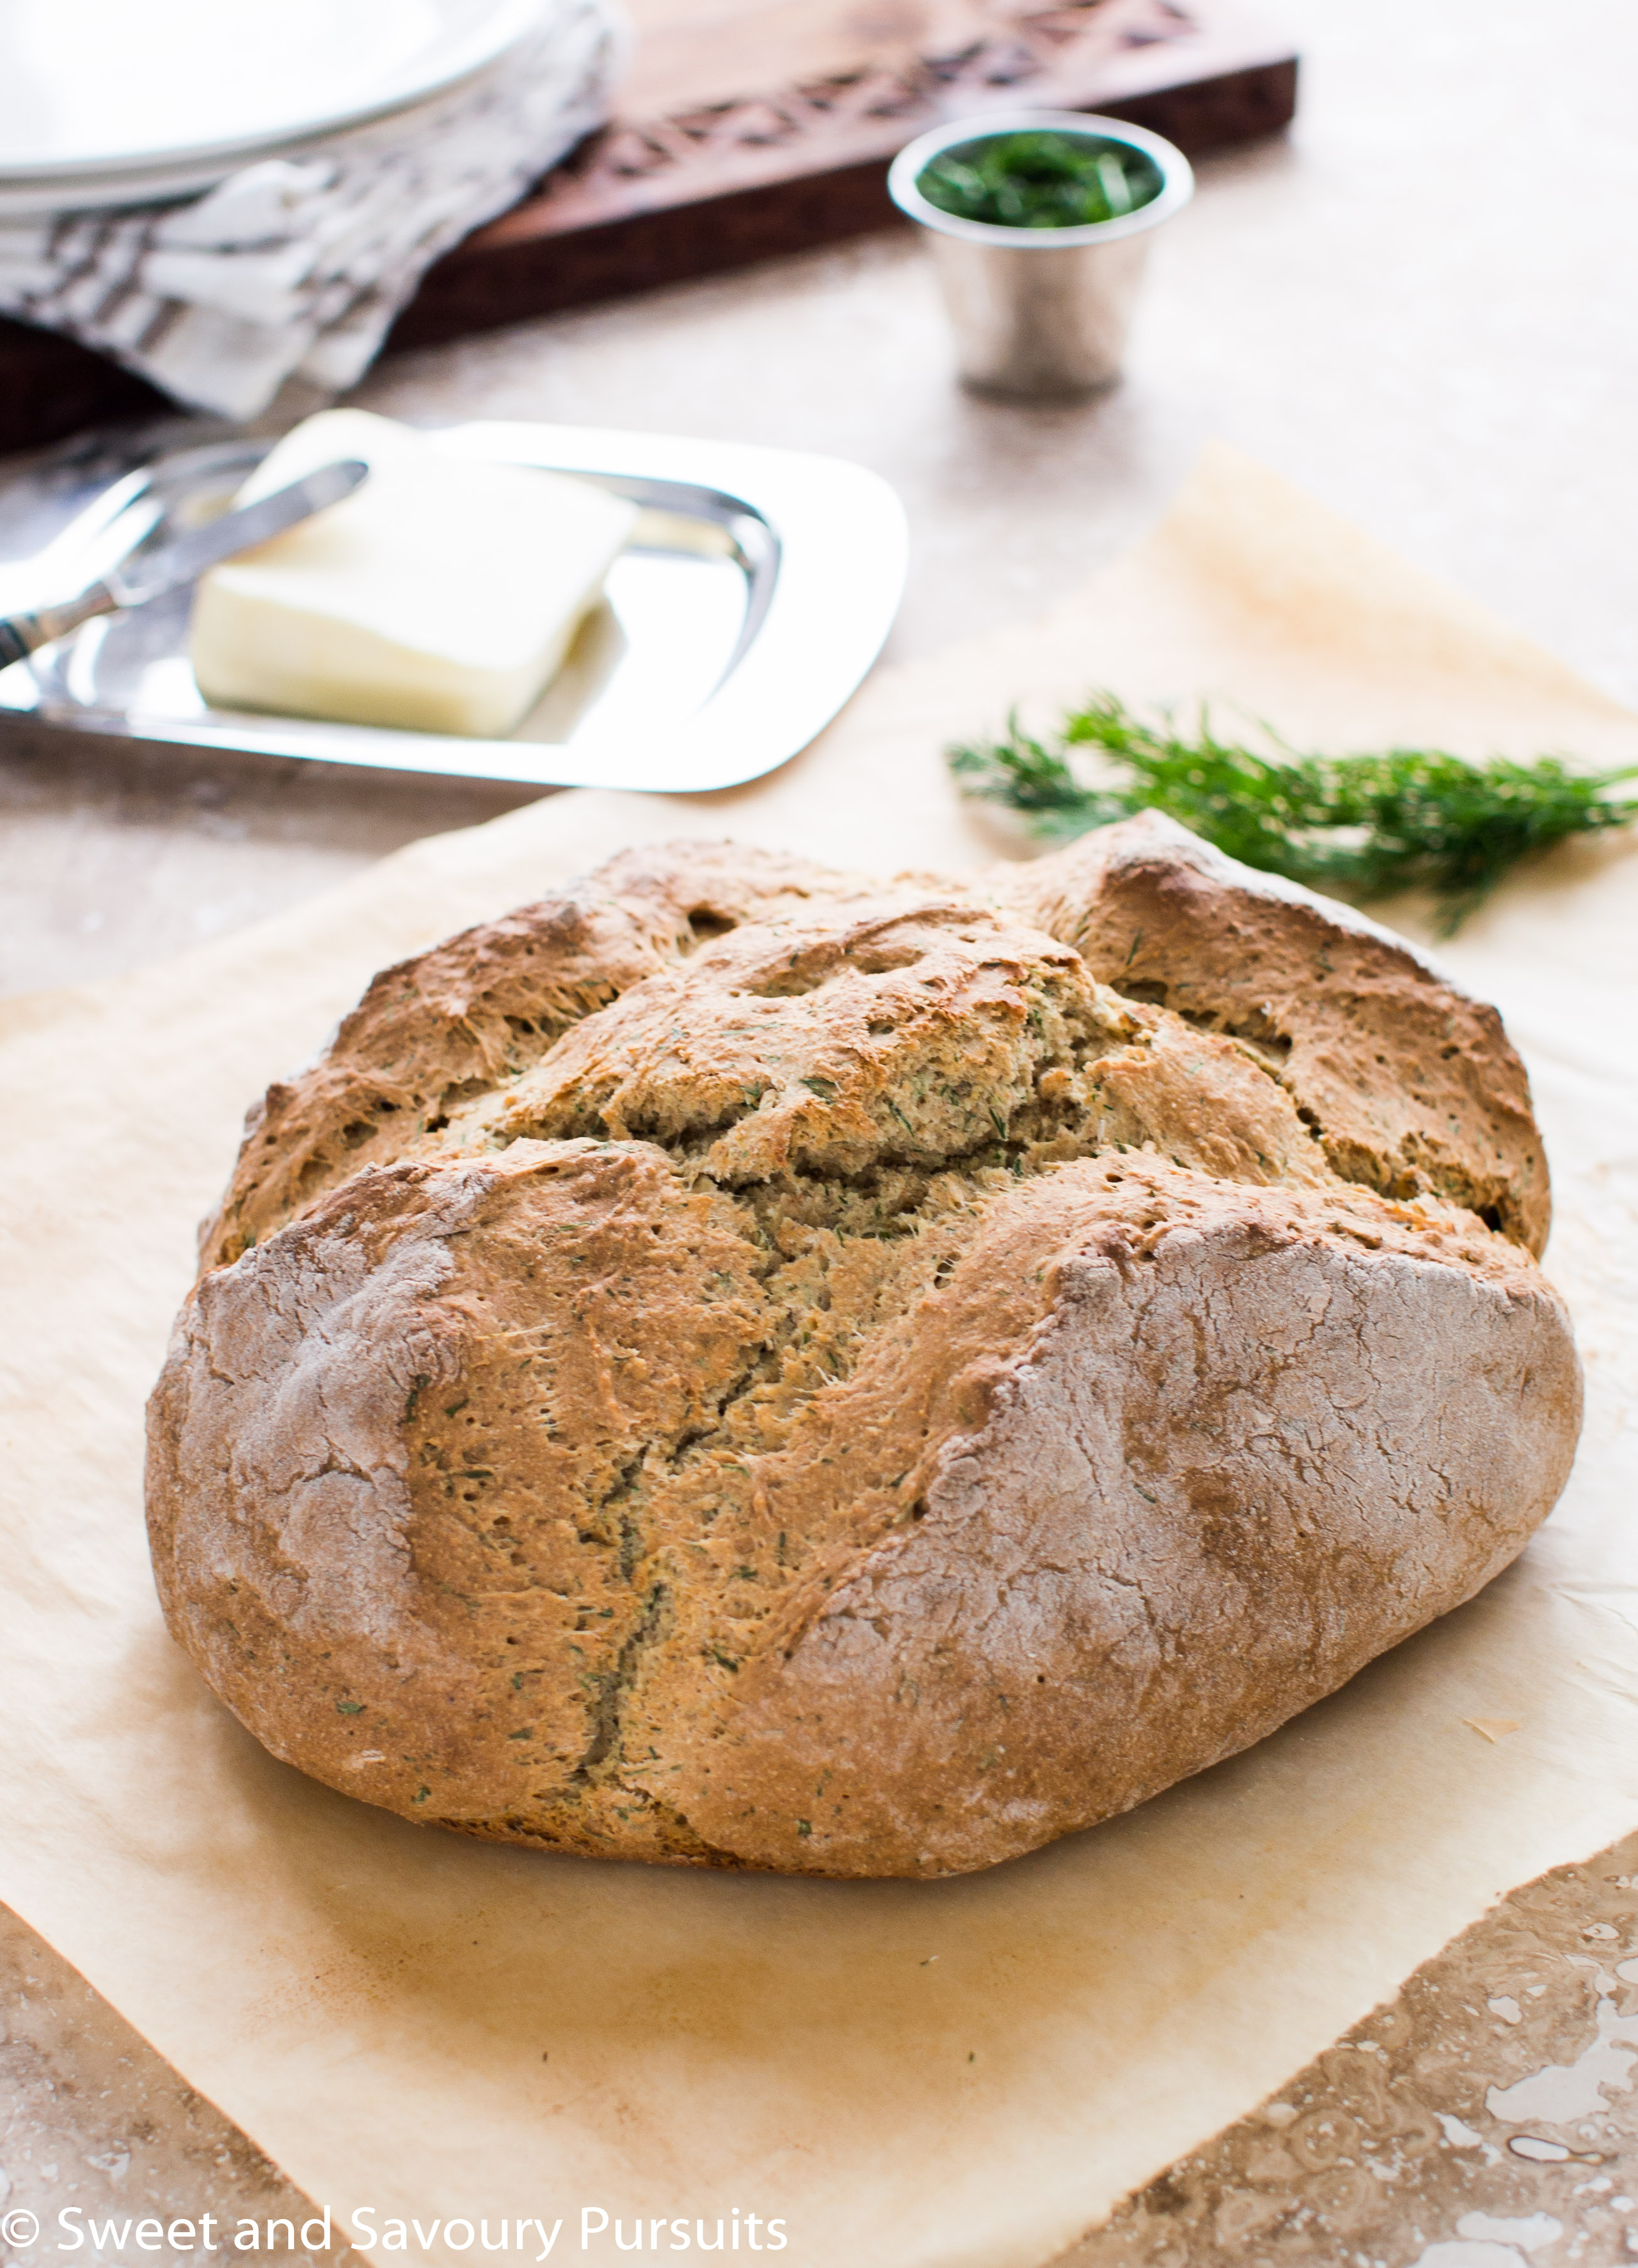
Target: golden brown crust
(853, 1394)
(1412, 1087)
(479, 1008)
(1247, 1439)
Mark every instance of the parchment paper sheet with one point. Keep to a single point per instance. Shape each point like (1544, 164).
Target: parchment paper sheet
(965, 2072)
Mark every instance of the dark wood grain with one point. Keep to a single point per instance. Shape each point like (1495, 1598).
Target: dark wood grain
(715, 185)
(718, 178)
(51, 386)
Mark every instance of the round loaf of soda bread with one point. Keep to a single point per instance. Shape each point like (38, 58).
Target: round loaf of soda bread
(744, 1365)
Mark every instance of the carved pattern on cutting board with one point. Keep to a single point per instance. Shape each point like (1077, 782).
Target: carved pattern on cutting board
(1013, 47)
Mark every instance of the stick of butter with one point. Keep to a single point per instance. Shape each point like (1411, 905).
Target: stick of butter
(441, 597)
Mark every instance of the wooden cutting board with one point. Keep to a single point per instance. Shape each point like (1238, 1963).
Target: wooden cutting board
(750, 128)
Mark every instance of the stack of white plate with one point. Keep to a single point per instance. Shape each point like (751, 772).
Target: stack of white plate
(111, 103)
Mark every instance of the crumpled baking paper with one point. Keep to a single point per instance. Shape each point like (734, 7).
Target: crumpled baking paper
(927, 2075)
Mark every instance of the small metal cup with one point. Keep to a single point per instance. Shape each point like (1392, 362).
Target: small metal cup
(1039, 312)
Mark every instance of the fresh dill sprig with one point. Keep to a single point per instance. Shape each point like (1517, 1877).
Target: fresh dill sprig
(1357, 826)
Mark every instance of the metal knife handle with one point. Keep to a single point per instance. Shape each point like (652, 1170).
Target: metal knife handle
(21, 635)
(143, 577)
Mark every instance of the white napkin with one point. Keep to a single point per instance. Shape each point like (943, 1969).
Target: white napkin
(295, 267)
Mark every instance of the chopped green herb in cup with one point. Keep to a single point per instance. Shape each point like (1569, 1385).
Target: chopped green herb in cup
(1042, 178)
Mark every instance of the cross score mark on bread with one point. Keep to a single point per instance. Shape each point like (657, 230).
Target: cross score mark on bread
(742, 1364)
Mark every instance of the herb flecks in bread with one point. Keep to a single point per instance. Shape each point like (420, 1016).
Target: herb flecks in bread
(750, 1366)
(1412, 1088)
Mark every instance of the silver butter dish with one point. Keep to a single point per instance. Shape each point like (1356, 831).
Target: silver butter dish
(753, 596)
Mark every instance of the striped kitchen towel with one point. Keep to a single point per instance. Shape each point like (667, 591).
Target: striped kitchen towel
(295, 267)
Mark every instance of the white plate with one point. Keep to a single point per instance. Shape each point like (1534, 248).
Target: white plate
(93, 90)
(754, 596)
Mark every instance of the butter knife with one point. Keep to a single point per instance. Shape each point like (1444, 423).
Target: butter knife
(174, 565)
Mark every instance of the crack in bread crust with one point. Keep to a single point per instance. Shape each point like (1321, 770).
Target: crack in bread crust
(1410, 1085)
(555, 1459)
(431, 1033)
